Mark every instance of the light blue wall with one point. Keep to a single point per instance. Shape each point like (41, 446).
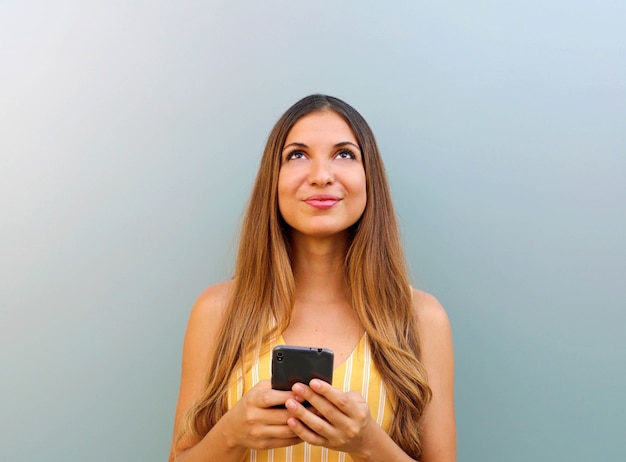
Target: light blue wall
(130, 133)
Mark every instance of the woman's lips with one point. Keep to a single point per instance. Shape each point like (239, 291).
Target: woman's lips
(322, 201)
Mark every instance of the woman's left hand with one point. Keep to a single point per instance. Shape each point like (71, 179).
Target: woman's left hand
(337, 420)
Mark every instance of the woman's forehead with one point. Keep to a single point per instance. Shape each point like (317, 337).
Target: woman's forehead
(319, 125)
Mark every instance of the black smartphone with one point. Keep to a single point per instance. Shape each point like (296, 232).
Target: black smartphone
(293, 364)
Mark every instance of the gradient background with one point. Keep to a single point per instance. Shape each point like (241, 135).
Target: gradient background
(130, 134)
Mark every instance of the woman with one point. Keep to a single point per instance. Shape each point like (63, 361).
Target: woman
(319, 264)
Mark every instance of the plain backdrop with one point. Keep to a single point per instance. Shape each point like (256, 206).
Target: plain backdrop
(130, 134)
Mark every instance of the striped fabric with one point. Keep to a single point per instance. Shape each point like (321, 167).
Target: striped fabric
(357, 373)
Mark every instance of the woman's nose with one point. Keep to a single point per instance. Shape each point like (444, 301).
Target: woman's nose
(320, 173)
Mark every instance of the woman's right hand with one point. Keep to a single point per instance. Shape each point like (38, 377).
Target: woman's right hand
(254, 423)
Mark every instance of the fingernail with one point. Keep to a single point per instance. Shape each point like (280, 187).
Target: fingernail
(315, 384)
(291, 405)
(298, 388)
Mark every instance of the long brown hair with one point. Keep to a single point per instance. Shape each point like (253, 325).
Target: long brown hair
(263, 286)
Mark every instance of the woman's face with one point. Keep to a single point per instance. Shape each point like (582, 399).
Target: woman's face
(321, 183)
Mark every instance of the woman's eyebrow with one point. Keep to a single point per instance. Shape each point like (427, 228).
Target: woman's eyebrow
(346, 143)
(338, 145)
(299, 145)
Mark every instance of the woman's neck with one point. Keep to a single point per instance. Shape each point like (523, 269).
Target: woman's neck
(318, 268)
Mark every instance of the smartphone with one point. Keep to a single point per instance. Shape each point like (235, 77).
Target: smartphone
(293, 364)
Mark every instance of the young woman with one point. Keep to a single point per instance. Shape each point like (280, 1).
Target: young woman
(319, 264)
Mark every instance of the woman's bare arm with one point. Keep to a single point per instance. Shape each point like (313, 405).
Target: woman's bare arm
(251, 423)
(438, 422)
(199, 344)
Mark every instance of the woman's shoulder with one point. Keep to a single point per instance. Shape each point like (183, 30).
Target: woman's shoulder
(210, 305)
(215, 295)
(203, 327)
(429, 311)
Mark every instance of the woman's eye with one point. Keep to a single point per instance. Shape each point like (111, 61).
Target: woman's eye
(346, 154)
(295, 155)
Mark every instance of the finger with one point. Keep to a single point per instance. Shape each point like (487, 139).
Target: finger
(348, 403)
(263, 384)
(305, 433)
(269, 398)
(271, 443)
(278, 432)
(276, 417)
(281, 443)
(307, 425)
(321, 398)
(303, 392)
(261, 388)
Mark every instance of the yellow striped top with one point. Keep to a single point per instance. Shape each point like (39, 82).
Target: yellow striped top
(358, 373)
